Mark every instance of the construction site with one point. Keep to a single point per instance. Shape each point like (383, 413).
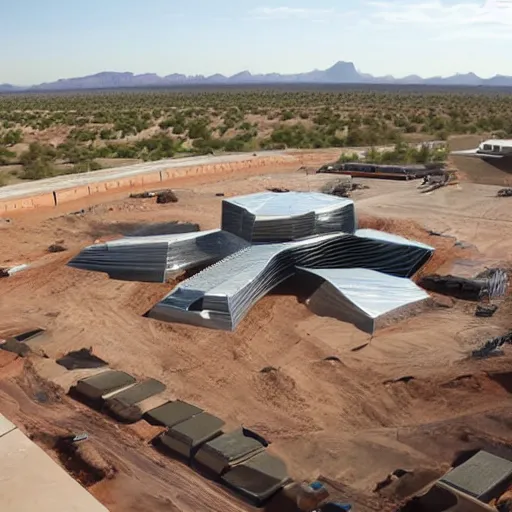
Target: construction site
(260, 332)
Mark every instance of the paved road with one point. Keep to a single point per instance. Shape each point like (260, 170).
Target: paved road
(33, 188)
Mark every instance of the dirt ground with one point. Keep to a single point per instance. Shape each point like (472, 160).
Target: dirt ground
(338, 419)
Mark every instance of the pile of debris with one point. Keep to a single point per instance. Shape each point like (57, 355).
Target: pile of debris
(342, 187)
(491, 283)
(162, 196)
(486, 310)
(435, 180)
(504, 192)
(10, 271)
(166, 196)
(492, 347)
(278, 190)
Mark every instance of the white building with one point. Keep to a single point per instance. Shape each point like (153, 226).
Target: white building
(489, 149)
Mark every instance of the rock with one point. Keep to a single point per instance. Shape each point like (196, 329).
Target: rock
(57, 248)
(443, 301)
(166, 196)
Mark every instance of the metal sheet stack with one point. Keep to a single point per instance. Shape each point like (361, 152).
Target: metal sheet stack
(280, 217)
(363, 297)
(154, 258)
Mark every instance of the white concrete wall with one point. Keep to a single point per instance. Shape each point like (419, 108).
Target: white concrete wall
(31, 481)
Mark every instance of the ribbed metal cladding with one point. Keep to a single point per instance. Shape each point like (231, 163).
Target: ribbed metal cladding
(221, 295)
(265, 238)
(155, 258)
(280, 217)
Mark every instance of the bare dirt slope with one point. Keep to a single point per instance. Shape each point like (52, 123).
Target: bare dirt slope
(340, 419)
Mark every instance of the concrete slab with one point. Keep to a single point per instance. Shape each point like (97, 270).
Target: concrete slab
(172, 413)
(227, 450)
(480, 475)
(138, 393)
(5, 426)
(123, 404)
(258, 478)
(96, 387)
(135, 412)
(31, 480)
(187, 436)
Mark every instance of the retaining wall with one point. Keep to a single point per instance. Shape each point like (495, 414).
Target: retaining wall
(165, 178)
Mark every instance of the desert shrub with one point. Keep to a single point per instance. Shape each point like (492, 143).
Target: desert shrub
(82, 135)
(37, 170)
(12, 137)
(286, 115)
(198, 129)
(38, 162)
(6, 156)
(107, 134)
(86, 166)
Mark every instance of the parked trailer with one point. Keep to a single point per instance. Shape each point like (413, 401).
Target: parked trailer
(390, 172)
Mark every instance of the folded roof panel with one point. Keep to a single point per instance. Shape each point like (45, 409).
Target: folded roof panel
(361, 296)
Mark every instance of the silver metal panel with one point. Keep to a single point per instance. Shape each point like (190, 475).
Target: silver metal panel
(154, 258)
(375, 234)
(221, 295)
(279, 217)
(373, 292)
(361, 296)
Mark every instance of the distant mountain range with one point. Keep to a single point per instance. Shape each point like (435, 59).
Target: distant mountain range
(340, 73)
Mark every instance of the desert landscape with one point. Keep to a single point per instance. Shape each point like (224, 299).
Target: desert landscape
(336, 404)
(44, 134)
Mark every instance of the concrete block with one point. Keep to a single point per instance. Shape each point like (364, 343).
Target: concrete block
(125, 404)
(184, 438)
(103, 384)
(227, 450)
(480, 475)
(258, 478)
(172, 413)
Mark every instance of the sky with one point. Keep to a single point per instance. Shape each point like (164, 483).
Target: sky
(43, 40)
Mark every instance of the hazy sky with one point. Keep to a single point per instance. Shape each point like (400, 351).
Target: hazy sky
(42, 40)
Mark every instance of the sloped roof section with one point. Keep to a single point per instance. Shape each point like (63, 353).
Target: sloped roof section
(154, 258)
(362, 296)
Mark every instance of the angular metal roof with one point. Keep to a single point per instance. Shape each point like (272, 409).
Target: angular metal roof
(373, 292)
(220, 296)
(283, 204)
(265, 238)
